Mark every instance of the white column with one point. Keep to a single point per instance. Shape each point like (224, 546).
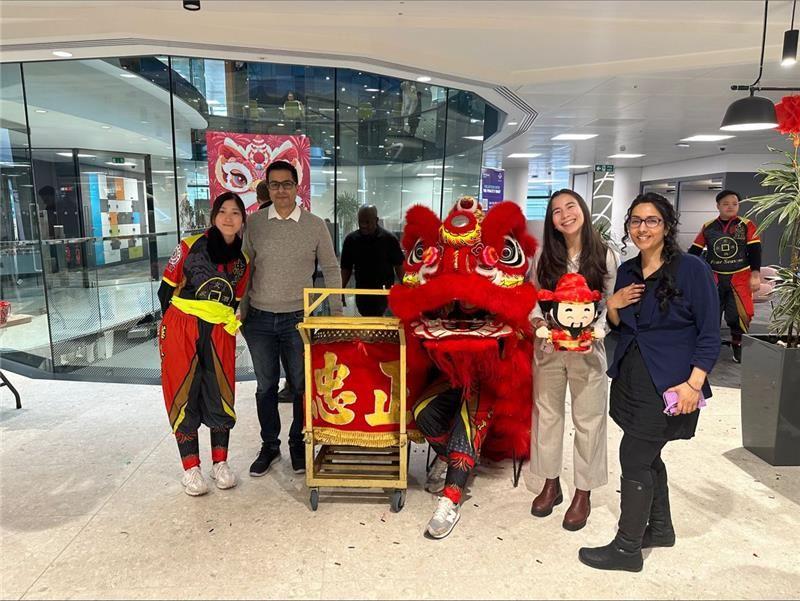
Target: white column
(626, 188)
(516, 184)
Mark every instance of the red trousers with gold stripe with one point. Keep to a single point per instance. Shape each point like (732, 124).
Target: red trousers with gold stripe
(736, 302)
(198, 380)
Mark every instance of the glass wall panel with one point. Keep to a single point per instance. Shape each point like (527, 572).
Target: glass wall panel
(25, 337)
(124, 155)
(252, 114)
(101, 133)
(391, 144)
(465, 129)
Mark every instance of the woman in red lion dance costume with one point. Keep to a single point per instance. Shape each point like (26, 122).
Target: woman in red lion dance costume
(465, 303)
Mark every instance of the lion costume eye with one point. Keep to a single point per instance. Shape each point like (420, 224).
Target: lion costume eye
(512, 255)
(416, 254)
(237, 176)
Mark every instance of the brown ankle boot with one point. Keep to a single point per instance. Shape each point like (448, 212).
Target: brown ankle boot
(550, 496)
(578, 511)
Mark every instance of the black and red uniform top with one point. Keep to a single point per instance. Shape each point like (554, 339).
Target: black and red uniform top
(196, 272)
(731, 246)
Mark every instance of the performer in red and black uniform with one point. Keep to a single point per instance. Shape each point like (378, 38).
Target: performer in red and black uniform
(733, 250)
(202, 285)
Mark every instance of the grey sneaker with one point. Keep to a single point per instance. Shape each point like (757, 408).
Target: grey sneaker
(444, 518)
(224, 476)
(193, 482)
(434, 483)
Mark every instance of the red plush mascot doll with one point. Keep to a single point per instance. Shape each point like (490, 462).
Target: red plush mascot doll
(465, 303)
(573, 308)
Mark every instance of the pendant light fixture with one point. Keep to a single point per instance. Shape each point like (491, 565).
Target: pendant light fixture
(789, 55)
(754, 112)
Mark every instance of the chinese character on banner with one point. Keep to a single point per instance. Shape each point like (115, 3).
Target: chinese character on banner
(355, 393)
(491, 187)
(237, 162)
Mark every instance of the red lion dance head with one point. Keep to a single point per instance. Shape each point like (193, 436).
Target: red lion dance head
(465, 302)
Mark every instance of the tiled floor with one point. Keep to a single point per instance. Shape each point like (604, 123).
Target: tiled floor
(92, 508)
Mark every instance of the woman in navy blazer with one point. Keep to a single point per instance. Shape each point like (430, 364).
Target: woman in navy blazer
(666, 310)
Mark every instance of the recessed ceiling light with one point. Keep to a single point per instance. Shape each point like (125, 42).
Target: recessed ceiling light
(707, 138)
(524, 155)
(105, 126)
(279, 124)
(62, 53)
(41, 111)
(192, 5)
(574, 137)
(161, 171)
(512, 123)
(83, 156)
(438, 167)
(371, 90)
(423, 78)
(426, 175)
(478, 138)
(624, 155)
(129, 75)
(577, 166)
(682, 145)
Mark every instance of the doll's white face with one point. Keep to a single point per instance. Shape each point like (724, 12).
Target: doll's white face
(575, 315)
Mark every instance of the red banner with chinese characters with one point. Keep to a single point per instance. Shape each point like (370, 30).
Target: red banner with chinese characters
(355, 393)
(237, 162)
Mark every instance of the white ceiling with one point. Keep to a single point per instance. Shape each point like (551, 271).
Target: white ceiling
(655, 71)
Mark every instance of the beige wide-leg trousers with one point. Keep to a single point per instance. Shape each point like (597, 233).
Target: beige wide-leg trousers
(585, 374)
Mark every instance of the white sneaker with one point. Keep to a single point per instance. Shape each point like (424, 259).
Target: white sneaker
(444, 518)
(223, 475)
(434, 483)
(194, 483)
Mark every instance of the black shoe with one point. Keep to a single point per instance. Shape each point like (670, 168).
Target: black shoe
(611, 557)
(266, 457)
(285, 395)
(737, 353)
(298, 454)
(625, 551)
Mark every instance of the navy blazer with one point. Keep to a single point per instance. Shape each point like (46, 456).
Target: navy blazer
(673, 341)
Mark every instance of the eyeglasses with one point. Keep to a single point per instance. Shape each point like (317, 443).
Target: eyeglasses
(649, 222)
(286, 186)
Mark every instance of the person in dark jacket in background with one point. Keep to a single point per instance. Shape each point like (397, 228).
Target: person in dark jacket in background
(666, 310)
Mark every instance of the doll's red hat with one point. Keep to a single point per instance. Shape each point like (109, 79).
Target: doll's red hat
(571, 288)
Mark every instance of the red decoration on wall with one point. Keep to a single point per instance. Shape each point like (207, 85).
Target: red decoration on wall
(238, 162)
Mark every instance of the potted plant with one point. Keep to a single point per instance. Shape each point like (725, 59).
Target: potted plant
(771, 369)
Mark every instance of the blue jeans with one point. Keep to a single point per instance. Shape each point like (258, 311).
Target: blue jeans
(273, 338)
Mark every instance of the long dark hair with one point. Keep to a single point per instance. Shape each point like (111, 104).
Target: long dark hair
(221, 199)
(553, 262)
(667, 289)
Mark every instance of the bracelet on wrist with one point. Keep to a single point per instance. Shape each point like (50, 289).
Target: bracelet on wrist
(692, 387)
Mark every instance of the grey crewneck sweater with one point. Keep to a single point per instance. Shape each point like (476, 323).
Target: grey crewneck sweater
(282, 256)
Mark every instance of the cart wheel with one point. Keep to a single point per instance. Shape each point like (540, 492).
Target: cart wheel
(314, 499)
(398, 500)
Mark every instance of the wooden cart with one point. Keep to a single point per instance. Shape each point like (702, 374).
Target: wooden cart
(352, 466)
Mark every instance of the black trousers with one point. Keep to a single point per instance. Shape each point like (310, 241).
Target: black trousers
(371, 306)
(640, 458)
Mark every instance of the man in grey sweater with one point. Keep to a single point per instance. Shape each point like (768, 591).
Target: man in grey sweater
(284, 243)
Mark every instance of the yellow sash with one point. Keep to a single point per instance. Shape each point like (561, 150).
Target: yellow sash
(210, 311)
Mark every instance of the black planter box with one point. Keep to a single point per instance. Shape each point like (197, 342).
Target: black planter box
(771, 400)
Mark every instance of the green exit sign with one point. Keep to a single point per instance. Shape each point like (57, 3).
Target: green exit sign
(121, 160)
(608, 168)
